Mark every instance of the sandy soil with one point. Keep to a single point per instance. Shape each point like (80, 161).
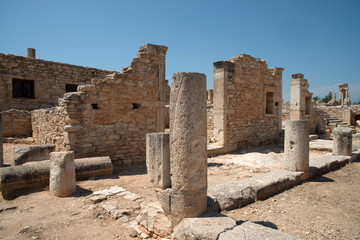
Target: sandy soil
(321, 209)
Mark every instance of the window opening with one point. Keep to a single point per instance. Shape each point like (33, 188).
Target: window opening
(23, 88)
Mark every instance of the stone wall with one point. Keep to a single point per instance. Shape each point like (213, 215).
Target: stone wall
(48, 127)
(210, 123)
(111, 116)
(247, 102)
(16, 123)
(49, 80)
(316, 122)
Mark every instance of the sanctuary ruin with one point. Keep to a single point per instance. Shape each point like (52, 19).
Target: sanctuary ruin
(76, 122)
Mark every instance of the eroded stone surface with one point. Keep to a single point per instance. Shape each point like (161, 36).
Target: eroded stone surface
(342, 141)
(206, 227)
(23, 154)
(296, 152)
(253, 231)
(188, 140)
(62, 174)
(158, 159)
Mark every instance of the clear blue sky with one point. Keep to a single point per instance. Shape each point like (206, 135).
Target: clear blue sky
(319, 38)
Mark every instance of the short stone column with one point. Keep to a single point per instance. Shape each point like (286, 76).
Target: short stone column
(296, 154)
(1, 144)
(158, 159)
(30, 53)
(342, 141)
(188, 145)
(62, 174)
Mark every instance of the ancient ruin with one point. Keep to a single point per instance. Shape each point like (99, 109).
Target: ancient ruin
(247, 102)
(71, 123)
(344, 94)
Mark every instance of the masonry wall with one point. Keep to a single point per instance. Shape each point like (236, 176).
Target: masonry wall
(210, 123)
(316, 122)
(16, 123)
(111, 116)
(50, 79)
(49, 127)
(247, 102)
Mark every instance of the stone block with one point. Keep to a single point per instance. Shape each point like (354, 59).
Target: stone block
(253, 231)
(62, 174)
(342, 141)
(158, 159)
(209, 226)
(32, 153)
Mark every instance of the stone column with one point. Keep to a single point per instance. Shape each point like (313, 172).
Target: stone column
(1, 144)
(296, 154)
(30, 53)
(62, 174)
(188, 145)
(342, 141)
(210, 96)
(158, 159)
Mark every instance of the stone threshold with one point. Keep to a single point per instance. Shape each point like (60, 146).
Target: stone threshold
(238, 193)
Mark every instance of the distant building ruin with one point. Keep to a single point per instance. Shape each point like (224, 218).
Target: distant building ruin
(247, 102)
(344, 94)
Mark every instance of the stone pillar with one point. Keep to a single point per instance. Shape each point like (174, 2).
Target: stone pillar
(342, 141)
(223, 72)
(30, 53)
(210, 96)
(1, 144)
(62, 174)
(347, 116)
(188, 145)
(158, 159)
(296, 154)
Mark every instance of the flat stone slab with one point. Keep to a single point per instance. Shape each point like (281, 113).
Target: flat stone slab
(253, 231)
(37, 174)
(238, 193)
(324, 145)
(206, 227)
(321, 145)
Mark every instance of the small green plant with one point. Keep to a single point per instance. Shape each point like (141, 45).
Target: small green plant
(327, 98)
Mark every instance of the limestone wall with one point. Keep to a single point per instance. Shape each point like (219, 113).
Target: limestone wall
(16, 123)
(316, 122)
(247, 102)
(210, 123)
(48, 127)
(111, 116)
(49, 80)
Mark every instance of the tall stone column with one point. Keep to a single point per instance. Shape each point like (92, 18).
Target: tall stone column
(188, 145)
(1, 144)
(296, 154)
(342, 141)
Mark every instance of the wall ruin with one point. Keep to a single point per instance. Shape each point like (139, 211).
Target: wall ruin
(16, 123)
(111, 116)
(39, 83)
(247, 102)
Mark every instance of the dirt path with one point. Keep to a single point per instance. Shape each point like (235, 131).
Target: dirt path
(327, 207)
